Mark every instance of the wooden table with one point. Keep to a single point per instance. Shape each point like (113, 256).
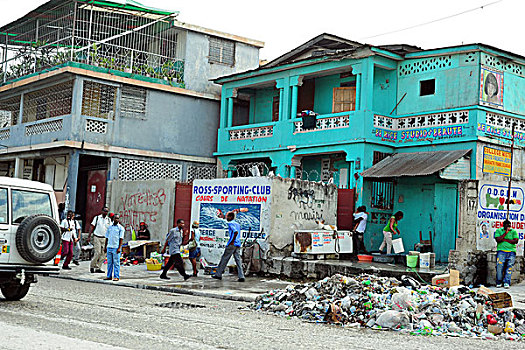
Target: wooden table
(147, 247)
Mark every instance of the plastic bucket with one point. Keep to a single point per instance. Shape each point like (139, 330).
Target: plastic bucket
(397, 244)
(411, 260)
(424, 260)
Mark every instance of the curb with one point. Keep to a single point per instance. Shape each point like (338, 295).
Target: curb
(175, 290)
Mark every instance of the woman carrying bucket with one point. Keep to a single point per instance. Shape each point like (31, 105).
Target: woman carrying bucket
(389, 230)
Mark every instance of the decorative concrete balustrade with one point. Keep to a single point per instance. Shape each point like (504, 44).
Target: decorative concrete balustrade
(325, 123)
(251, 133)
(421, 121)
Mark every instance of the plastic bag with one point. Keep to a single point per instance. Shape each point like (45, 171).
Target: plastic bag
(393, 319)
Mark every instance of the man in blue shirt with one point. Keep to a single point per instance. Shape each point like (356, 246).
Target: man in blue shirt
(174, 241)
(232, 248)
(113, 247)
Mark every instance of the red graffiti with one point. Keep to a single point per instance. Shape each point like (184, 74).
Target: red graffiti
(133, 217)
(147, 198)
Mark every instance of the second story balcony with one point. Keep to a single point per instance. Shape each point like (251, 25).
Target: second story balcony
(132, 39)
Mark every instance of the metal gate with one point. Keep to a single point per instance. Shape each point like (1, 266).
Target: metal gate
(345, 208)
(96, 195)
(183, 203)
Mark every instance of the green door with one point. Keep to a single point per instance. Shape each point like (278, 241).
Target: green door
(445, 208)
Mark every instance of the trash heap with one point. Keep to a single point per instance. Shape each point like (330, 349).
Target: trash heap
(389, 303)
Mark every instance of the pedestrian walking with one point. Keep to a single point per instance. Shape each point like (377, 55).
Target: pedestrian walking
(389, 230)
(173, 242)
(77, 249)
(68, 226)
(113, 247)
(507, 239)
(194, 246)
(99, 226)
(360, 219)
(233, 247)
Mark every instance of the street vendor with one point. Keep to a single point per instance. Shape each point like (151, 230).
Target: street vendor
(507, 239)
(143, 233)
(389, 230)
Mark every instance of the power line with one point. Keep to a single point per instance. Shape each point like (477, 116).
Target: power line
(435, 20)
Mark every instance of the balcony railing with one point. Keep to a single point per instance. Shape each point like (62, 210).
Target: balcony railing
(421, 121)
(325, 122)
(249, 133)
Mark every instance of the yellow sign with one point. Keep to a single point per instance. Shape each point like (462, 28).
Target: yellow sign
(496, 161)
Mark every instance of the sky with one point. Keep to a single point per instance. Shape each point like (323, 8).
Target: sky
(285, 24)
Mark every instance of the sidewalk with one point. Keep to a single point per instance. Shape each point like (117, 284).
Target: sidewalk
(136, 276)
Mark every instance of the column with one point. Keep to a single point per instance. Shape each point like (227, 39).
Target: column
(19, 163)
(72, 177)
(229, 119)
(295, 82)
(293, 172)
(358, 92)
(283, 85)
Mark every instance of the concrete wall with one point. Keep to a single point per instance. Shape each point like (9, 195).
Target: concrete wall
(198, 71)
(150, 201)
(174, 123)
(297, 204)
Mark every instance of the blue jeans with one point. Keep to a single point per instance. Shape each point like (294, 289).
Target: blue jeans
(113, 263)
(504, 263)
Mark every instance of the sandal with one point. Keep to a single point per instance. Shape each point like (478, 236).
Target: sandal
(116, 279)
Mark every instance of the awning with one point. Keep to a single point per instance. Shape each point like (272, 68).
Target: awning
(414, 164)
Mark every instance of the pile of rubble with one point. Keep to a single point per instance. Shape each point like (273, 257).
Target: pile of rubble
(389, 303)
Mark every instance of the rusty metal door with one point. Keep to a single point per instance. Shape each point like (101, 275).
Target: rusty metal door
(183, 204)
(345, 208)
(95, 195)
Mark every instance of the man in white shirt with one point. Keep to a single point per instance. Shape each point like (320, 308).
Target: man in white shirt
(69, 229)
(99, 226)
(360, 218)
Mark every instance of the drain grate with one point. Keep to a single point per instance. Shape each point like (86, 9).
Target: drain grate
(179, 305)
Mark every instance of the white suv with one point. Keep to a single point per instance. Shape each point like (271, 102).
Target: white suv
(29, 234)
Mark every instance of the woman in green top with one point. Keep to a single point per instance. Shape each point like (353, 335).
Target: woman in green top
(389, 230)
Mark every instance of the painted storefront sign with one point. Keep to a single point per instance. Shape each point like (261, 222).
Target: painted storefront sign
(419, 134)
(496, 161)
(492, 211)
(248, 198)
(491, 88)
(501, 132)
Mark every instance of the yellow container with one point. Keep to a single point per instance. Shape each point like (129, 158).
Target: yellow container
(153, 267)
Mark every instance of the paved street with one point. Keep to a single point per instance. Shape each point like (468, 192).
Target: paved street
(65, 314)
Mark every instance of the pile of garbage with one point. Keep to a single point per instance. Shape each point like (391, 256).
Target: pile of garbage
(397, 304)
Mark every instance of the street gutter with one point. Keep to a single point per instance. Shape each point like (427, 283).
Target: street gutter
(175, 290)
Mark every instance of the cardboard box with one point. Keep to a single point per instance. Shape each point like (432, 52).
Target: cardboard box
(501, 300)
(447, 280)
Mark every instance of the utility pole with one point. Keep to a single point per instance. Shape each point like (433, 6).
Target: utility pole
(510, 175)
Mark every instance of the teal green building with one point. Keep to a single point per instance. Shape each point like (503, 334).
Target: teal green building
(399, 125)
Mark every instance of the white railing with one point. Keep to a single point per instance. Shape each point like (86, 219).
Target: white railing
(251, 133)
(325, 123)
(421, 121)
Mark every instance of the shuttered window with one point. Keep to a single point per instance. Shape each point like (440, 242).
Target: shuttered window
(344, 99)
(221, 51)
(133, 102)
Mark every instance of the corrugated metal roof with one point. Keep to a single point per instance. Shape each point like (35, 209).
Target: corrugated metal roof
(414, 164)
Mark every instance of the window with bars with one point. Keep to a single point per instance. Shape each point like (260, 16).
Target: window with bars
(9, 111)
(52, 101)
(98, 100)
(382, 195)
(221, 51)
(133, 102)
